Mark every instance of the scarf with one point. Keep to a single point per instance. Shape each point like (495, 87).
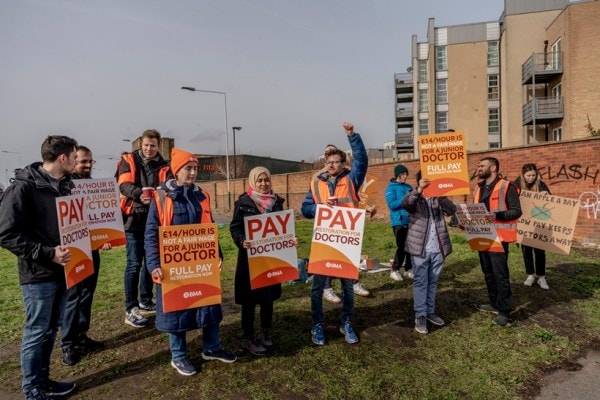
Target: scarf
(264, 202)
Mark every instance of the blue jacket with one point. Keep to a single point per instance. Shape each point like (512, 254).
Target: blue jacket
(394, 194)
(357, 174)
(186, 210)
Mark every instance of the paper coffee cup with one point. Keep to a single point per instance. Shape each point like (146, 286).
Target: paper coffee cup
(333, 200)
(147, 192)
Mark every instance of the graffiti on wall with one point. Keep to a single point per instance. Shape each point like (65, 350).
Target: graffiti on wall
(590, 202)
(553, 174)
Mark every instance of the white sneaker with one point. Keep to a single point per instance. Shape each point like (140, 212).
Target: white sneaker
(395, 275)
(360, 290)
(529, 281)
(408, 274)
(330, 296)
(542, 282)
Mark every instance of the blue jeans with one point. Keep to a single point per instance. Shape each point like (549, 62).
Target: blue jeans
(328, 282)
(210, 337)
(78, 308)
(426, 272)
(316, 298)
(44, 304)
(136, 273)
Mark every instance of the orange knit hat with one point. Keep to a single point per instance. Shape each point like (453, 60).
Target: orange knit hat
(179, 158)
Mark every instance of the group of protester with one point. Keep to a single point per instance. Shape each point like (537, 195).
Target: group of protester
(29, 229)
(422, 238)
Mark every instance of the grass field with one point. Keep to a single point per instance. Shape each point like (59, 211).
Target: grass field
(469, 358)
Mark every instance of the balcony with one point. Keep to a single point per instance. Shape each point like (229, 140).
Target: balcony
(404, 82)
(543, 109)
(541, 68)
(404, 112)
(404, 140)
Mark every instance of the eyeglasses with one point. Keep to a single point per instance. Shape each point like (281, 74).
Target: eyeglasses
(332, 162)
(84, 162)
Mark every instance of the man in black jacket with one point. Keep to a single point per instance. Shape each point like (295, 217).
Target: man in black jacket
(29, 229)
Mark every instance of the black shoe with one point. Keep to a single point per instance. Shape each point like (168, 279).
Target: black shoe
(54, 388)
(88, 344)
(70, 356)
(36, 394)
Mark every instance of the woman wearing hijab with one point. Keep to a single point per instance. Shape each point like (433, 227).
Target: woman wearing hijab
(258, 199)
(180, 202)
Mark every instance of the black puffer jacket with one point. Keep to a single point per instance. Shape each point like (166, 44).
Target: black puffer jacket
(29, 223)
(417, 208)
(245, 207)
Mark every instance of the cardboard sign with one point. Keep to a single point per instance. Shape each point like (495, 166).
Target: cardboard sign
(480, 234)
(102, 210)
(548, 222)
(189, 260)
(272, 257)
(75, 235)
(337, 241)
(365, 190)
(444, 162)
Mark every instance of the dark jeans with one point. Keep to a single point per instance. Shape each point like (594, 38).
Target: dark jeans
(44, 304)
(497, 278)
(78, 308)
(540, 260)
(266, 317)
(401, 232)
(316, 298)
(136, 273)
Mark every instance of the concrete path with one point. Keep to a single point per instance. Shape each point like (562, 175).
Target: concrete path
(581, 384)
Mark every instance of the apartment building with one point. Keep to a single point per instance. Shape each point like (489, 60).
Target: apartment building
(528, 77)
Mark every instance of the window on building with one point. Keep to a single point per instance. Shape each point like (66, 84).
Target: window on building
(557, 134)
(494, 145)
(441, 63)
(422, 65)
(556, 91)
(556, 55)
(493, 87)
(423, 127)
(423, 103)
(493, 53)
(441, 91)
(441, 121)
(493, 121)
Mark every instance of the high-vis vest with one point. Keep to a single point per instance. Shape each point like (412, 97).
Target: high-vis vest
(507, 230)
(126, 203)
(344, 191)
(164, 206)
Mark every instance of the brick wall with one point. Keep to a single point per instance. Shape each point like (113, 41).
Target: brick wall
(571, 169)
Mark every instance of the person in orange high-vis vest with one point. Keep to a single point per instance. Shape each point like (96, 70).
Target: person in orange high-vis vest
(337, 185)
(501, 198)
(180, 202)
(136, 170)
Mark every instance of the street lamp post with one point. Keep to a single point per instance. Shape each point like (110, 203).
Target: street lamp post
(192, 89)
(235, 128)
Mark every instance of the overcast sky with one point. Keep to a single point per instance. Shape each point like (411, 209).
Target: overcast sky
(105, 70)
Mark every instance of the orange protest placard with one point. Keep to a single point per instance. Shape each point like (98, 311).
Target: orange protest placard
(189, 257)
(337, 241)
(74, 235)
(105, 220)
(444, 162)
(480, 233)
(272, 257)
(365, 190)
